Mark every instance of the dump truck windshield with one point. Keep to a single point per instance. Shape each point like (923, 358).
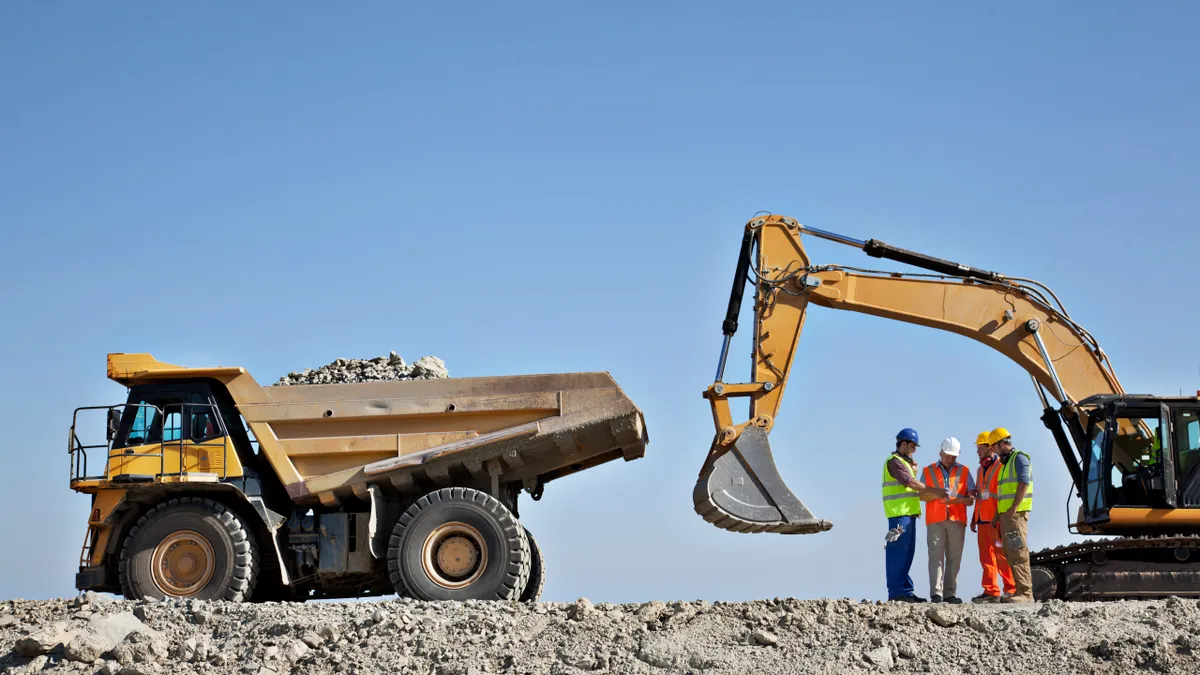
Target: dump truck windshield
(156, 420)
(145, 427)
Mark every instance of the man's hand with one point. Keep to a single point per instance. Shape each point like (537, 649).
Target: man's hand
(974, 526)
(935, 493)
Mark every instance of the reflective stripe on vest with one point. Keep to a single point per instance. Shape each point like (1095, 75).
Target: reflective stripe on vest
(1007, 487)
(985, 505)
(937, 511)
(898, 500)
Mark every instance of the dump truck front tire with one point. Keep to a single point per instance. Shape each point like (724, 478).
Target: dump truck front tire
(458, 544)
(189, 548)
(537, 571)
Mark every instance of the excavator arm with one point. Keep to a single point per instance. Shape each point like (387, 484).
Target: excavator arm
(739, 487)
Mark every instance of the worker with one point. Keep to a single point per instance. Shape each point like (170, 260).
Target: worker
(1014, 500)
(983, 522)
(946, 520)
(902, 494)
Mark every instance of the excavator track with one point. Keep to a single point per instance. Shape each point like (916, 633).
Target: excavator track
(1119, 568)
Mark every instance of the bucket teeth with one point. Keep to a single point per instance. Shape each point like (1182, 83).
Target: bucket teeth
(742, 491)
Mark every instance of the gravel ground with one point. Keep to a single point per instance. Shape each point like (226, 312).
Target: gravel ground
(95, 634)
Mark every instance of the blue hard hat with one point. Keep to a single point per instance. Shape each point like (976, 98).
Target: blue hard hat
(908, 435)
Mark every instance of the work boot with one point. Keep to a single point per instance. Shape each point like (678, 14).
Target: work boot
(906, 598)
(984, 598)
(935, 598)
(953, 600)
(1017, 599)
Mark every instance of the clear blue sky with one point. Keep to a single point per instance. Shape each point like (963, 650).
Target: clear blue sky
(561, 186)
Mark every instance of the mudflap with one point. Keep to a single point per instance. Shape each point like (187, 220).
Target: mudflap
(740, 490)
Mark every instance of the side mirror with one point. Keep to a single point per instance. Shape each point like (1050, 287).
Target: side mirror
(114, 422)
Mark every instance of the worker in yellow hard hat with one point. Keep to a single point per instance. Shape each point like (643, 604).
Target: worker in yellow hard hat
(997, 577)
(1014, 499)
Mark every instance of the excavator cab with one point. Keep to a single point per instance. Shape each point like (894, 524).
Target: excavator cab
(1141, 457)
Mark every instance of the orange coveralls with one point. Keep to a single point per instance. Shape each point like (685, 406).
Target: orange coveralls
(991, 551)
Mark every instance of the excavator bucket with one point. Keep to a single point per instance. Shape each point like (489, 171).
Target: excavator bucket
(740, 490)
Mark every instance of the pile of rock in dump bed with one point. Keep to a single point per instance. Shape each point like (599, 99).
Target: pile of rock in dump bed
(390, 367)
(94, 634)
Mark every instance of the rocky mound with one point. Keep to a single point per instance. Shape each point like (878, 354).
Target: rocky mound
(390, 367)
(93, 634)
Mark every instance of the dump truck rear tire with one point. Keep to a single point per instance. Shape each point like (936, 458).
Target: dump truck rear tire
(458, 544)
(537, 571)
(189, 548)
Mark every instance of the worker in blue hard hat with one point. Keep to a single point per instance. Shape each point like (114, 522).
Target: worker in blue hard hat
(902, 494)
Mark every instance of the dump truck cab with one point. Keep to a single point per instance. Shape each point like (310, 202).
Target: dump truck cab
(208, 485)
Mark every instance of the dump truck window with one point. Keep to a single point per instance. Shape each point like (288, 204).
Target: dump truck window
(146, 427)
(204, 425)
(147, 422)
(172, 427)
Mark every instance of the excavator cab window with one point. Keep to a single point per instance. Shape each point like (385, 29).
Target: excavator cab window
(1097, 491)
(1186, 435)
(1126, 464)
(1134, 448)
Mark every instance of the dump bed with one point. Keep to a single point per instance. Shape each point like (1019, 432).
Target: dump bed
(331, 442)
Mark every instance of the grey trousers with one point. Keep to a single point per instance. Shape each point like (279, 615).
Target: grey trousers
(945, 541)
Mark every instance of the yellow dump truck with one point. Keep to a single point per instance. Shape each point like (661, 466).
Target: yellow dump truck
(211, 486)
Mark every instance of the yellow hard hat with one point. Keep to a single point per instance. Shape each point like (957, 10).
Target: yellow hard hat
(983, 438)
(998, 434)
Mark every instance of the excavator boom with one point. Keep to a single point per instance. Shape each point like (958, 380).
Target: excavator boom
(739, 487)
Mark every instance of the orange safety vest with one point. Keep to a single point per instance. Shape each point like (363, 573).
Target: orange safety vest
(937, 511)
(988, 483)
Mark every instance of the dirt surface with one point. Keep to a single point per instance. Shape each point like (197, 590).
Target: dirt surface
(95, 634)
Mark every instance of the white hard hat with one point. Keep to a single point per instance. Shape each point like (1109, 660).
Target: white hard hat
(950, 446)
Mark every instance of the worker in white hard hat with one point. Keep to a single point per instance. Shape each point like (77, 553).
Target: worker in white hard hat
(946, 520)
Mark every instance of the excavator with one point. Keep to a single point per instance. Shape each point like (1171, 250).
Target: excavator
(1134, 460)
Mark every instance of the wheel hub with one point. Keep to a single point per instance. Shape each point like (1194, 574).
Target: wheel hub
(183, 563)
(454, 555)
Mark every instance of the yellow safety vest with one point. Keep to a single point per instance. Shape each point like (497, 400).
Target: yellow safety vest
(898, 500)
(1008, 485)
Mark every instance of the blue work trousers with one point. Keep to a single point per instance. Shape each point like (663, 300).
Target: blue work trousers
(900, 556)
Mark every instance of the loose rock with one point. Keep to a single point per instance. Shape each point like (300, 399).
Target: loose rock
(783, 636)
(390, 367)
(312, 640)
(941, 616)
(881, 657)
(44, 640)
(762, 637)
